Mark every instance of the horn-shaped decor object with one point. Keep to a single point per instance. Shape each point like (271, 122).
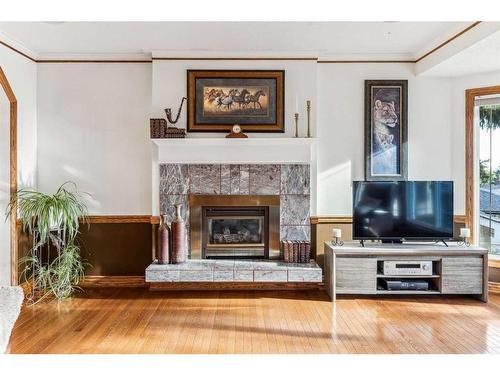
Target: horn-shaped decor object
(168, 112)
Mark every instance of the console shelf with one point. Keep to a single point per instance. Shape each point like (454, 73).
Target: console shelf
(408, 292)
(408, 276)
(352, 269)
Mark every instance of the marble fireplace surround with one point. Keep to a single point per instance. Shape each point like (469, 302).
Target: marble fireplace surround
(289, 182)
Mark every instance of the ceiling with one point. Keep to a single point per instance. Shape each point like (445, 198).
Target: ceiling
(363, 40)
(481, 57)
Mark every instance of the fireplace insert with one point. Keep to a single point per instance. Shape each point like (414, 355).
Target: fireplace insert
(235, 232)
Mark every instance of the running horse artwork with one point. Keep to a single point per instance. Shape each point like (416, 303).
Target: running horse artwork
(218, 99)
(386, 130)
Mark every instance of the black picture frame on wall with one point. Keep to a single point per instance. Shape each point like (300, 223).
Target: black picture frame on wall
(386, 130)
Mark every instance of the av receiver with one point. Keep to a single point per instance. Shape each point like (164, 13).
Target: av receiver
(407, 267)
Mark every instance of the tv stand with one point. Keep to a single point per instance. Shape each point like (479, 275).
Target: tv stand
(356, 269)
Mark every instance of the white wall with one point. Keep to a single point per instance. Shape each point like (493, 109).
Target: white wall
(101, 112)
(341, 128)
(458, 87)
(94, 130)
(21, 74)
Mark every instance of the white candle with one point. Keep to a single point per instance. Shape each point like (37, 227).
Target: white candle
(465, 232)
(296, 104)
(336, 233)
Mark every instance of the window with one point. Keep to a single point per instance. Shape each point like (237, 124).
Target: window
(487, 116)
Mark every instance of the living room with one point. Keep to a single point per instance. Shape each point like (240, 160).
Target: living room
(168, 190)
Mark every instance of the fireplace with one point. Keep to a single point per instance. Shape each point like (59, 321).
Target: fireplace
(234, 226)
(235, 232)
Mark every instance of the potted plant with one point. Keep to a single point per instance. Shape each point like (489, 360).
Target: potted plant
(54, 265)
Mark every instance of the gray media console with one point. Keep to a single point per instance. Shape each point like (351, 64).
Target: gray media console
(353, 269)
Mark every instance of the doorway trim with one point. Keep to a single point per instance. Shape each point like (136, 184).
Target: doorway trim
(470, 155)
(13, 175)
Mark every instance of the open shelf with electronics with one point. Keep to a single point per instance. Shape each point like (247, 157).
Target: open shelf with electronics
(408, 276)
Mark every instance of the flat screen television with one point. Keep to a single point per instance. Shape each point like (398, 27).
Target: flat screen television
(393, 211)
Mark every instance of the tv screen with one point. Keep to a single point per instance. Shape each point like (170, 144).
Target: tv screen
(395, 210)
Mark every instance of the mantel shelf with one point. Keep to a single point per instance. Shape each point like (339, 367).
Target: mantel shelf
(235, 150)
(236, 141)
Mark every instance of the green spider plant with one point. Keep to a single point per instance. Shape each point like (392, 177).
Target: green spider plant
(54, 266)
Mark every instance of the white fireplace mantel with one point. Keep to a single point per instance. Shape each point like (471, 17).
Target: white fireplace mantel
(235, 150)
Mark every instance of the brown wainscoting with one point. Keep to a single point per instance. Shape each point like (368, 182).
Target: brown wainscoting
(183, 286)
(116, 248)
(113, 246)
(321, 229)
(113, 281)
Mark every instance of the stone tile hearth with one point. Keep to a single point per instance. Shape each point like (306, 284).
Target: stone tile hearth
(291, 182)
(234, 271)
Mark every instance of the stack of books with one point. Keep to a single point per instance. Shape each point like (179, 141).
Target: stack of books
(159, 129)
(173, 132)
(295, 251)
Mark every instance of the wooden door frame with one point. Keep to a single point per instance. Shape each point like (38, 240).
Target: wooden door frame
(13, 175)
(470, 188)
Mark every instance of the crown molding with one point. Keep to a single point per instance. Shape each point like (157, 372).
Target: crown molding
(435, 45)
(473, 34)
(365, 57)
(94, 58)
(320, 56)
(17, 47)
(235, 55)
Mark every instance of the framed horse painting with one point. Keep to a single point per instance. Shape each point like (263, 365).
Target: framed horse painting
(219, 99)
(386, 130)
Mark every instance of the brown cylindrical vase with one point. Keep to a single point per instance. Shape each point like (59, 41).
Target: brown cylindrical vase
(163, 243)
(178, 252)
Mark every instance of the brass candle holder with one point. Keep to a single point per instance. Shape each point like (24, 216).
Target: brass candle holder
(296, 125)
(308, 105)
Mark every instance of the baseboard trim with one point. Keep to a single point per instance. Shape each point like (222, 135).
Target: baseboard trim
(493, 287)
(493, 262)
(113, 281)
(180, 286)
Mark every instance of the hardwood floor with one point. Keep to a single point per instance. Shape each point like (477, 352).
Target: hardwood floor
(135, 320)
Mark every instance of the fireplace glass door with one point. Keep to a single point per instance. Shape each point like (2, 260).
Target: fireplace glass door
(235, 232)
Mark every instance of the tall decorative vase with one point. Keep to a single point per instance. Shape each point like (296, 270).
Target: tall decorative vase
(179, 246)
(163, 244)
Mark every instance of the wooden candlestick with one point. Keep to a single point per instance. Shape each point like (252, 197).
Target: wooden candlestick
(308, 104)
(296, 125)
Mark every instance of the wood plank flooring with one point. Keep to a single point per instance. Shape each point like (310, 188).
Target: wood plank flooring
(135, 320)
